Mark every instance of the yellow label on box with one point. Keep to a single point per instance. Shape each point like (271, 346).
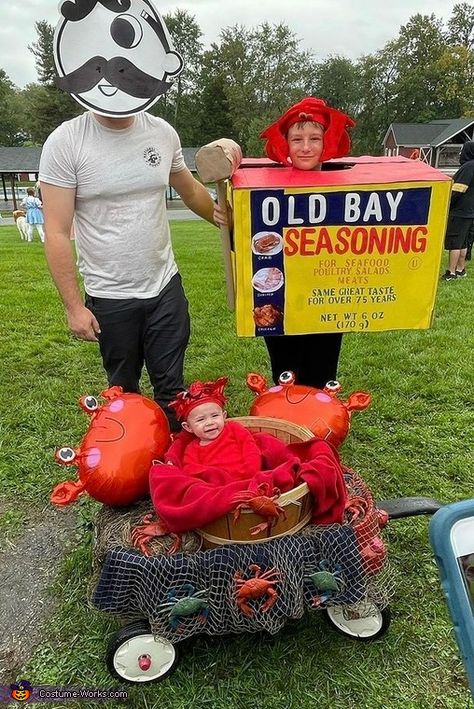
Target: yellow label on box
(338, 259)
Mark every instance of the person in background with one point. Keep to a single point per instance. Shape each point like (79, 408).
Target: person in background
(461, 215)
(306, 135)
(34, 214)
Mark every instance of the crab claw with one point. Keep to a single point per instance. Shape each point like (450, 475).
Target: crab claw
(256, 382)
(260, 528)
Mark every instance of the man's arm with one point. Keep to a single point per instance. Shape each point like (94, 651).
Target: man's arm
(58, 206)
(193, 193)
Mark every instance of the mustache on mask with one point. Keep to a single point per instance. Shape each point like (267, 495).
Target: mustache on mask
(119, 72)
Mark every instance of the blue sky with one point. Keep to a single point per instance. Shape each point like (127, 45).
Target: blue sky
(338, 27)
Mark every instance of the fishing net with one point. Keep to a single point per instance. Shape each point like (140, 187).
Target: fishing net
(213, 592)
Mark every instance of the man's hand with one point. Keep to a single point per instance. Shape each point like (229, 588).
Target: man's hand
(83, 324)
(222, 218)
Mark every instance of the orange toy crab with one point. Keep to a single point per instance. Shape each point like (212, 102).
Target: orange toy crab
(145, 532)
(262, 504)
(320, 410)
(262, 584)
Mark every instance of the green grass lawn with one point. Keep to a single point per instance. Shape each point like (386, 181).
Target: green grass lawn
(415, 439)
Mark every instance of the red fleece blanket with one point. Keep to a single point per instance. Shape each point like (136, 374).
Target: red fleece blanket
(186, 502)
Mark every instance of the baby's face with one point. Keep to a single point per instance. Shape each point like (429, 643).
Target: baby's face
(206, 421)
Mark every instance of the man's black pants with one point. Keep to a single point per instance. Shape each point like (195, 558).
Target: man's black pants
(151, 331)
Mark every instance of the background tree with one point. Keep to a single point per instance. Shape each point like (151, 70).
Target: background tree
(11, 115)
(337, 81)
(213, 111)
(42, 50)
(376, 74)
(45, 105)
(262, 72)
(251, 75)
(461, 25)
(178, 105)
(418, 48)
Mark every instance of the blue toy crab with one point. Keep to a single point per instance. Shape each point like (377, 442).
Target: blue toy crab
(329, 583)
(193, 602)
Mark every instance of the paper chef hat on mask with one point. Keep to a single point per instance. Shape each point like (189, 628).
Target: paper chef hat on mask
(199, 393)
(115, 57)
(335, 123)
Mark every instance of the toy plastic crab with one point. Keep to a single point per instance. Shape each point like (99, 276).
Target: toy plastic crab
(329, 582)
(142, 534)
(262, 584)
(356, 509)
(263, 504)
(192, 603)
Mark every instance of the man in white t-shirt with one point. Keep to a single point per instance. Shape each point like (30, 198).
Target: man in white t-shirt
(111, 175)
(109, 169)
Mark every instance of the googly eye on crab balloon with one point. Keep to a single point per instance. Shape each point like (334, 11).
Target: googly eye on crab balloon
(65, 455)
(333, 385)
(286, 378)
(115, 57)
(88, 403)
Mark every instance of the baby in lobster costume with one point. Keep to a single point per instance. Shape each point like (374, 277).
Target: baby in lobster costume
(215, 442)
(214, 464)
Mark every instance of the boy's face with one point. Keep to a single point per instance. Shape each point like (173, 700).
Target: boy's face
(305, 143)
(206, 421)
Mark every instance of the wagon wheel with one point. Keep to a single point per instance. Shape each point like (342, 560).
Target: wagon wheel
(361, 621)
(137, 656)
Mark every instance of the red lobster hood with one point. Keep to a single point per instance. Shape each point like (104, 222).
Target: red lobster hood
(320, 410)
(125, 435)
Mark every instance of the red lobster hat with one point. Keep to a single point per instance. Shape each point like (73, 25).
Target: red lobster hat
(199, 393)
(336, 138)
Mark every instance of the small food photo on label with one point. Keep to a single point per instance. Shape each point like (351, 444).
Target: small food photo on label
(267, 243)
(267, 280)
(267, 315)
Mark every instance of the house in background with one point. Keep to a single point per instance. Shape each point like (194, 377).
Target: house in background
(437, 143)
(22, 163)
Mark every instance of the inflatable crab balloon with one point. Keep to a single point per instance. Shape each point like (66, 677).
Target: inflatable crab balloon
(320, 410)
(125, 435)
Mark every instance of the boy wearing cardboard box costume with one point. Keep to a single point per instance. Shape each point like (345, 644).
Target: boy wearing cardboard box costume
(309, 133)
(306, 135)
(109, 169)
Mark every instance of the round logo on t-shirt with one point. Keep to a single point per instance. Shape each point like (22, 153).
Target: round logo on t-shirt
(152, 157)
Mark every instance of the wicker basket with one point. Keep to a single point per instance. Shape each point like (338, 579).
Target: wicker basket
(297, 502)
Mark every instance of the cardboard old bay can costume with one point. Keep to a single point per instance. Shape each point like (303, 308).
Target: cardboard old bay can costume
(354, 247)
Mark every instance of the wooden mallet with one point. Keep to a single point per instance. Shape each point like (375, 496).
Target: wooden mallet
(217, 162)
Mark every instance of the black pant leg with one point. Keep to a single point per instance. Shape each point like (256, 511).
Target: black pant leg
(166, 337)
(120, 340)
(283, 353)
(313, 358)
(319, 358)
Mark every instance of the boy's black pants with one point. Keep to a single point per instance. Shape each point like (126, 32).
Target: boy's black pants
(313, 358)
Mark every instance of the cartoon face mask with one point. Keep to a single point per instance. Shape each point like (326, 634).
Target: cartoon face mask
(115, 57)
